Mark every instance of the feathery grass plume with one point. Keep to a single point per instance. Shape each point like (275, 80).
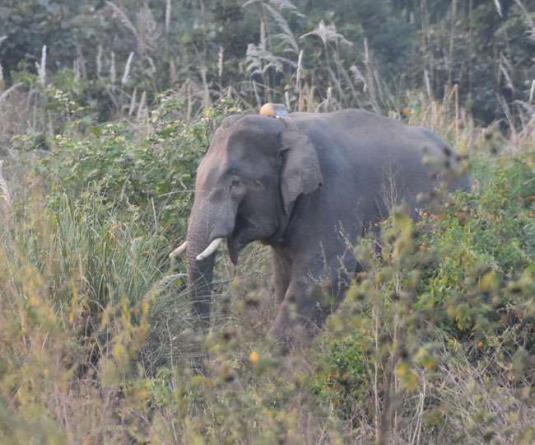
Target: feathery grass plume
(427, 84)
(81, 62)
(220, 60)
(142, 108)
(173, 76)
(260, 58)
(207, 101)
(76, 70)
(256, 94)
(299, 71)
(132, 102)
(124, 79)
(528, 18)
(275, 50)
(370, 76)
(41, 67)
(532, 91)
(99, 61)
(358, 78)
(118, 13)
(4, 189)
(286, 35)
(4, 94)
(148, 31)
(113, 69)
(2, 83)
(498, 8)
(167, 15)
(506, 69)
(281, 4)
(327, 34)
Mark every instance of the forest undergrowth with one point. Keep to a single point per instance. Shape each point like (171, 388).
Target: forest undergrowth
(433, 344)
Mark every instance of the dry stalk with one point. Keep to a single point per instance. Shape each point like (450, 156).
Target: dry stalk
(142, 108)
(207, 102)
(377, 407)
(132, 103)
(415, 437)
(4, 189)
(7, 92)
(5, 199)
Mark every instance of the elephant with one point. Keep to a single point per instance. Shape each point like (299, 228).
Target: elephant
(305, 184)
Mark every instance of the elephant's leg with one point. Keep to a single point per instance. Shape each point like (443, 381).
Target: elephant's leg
(300, 314)
(308, 301)
(281, 275)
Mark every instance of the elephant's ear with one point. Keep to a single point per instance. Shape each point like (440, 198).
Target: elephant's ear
(301, 172)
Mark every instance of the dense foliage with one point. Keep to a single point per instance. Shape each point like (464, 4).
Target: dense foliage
(305, 53)
(434, 342)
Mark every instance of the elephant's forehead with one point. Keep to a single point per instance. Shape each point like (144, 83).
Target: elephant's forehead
(232, 157)
(216, 163)
(242, 143)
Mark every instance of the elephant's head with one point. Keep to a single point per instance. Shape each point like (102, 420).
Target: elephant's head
(246, 187)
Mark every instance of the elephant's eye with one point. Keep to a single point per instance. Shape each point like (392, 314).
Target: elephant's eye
(235, 182)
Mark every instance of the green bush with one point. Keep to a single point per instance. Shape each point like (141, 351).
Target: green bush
(433, 343)
(485, 242)
(147, 178)
(342, 378)
(453, 293)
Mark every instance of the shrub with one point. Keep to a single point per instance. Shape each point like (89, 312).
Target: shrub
(433, 343)
(450, 294)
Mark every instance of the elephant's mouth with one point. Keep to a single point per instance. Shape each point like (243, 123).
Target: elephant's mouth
(234, 249)
(243, 234)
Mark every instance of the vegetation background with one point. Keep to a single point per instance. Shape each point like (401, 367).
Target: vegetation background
(106, 108)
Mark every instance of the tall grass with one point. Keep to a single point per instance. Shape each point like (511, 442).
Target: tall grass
(76, 286)
(433, 343)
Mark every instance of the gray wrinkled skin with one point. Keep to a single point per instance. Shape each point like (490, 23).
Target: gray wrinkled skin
(305, 185)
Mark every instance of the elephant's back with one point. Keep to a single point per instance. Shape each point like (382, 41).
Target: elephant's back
(367, 138)
(372, 154)
(361, 125)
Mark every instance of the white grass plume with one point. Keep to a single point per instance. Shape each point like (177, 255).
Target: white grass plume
(113, 70)
(4, 189)
(127, 68)
(498, 8)
(41, 67)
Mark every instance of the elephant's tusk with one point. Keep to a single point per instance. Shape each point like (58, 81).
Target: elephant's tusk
(212, 247)
(179, 250)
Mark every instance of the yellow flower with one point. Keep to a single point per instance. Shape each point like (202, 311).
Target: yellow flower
(254, 357)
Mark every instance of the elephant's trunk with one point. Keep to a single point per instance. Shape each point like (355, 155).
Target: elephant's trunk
(203, 231)
(200, 273)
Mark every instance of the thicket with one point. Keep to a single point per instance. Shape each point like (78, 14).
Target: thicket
(119, 55)
(434, 342)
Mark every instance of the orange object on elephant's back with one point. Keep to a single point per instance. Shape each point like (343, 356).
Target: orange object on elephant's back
(273, 110)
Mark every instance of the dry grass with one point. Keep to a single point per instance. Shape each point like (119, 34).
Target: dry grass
(96, 342)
